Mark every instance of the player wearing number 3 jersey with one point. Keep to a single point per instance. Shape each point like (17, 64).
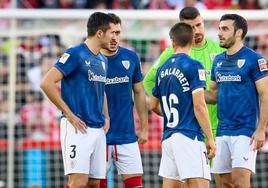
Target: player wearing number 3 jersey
(179, 91)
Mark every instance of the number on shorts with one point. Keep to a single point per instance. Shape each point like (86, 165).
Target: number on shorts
(171, 111)
(73, 154)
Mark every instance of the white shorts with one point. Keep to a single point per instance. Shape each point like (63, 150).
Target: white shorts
(83, 153)
(127, 158)
(184, 158)
(233, 152)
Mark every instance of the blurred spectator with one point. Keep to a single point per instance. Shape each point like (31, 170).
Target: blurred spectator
(29, 3)
(5, 4)
(218, 4)
(100, 4)
(154, 130)
(122, 4)
(31, 49)
(65, 4)
(38, 116)
(179, 4)
(49, 3)
(249, 4)
(263, 45)
(160, 4)
(3, 109)
(3, 71)
(36, 73)
(140, 4)
(153, 51)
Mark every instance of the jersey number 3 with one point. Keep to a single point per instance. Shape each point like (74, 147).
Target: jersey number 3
(171, 113)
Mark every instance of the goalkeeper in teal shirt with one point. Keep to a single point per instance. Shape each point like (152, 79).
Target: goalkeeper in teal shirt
(203, 50)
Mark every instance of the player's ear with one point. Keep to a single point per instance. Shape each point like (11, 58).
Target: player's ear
(99, 33)
(239, 33)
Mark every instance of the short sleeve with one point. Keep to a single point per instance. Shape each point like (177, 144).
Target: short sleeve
(137, 76)
(259, 68)
(198, 76)
(155, 90)
(68, 62)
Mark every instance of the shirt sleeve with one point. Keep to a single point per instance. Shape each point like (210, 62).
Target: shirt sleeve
(137, 76)
(155, 90)
(198, 76)
(213, 76)
(259, 68)
(68, 62)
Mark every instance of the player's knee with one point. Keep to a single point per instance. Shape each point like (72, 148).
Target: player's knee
(93, 183)
(133, 182)
(103, 183)
(240, 184)
(79, 183)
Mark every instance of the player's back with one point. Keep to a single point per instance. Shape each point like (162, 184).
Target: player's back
(123, 71)
(176, 80)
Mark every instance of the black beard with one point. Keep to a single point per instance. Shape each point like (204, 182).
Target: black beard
(228, 43)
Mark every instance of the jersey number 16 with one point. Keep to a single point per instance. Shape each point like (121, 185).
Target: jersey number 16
(170, 111)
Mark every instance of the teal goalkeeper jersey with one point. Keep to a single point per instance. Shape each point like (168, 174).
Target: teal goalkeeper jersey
(205, 55)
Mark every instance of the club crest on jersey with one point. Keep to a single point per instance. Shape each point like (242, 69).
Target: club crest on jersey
(64, 58)
(212, 56)
(240, 62)
(103, 65)
(262, 64)
(126, 64)
(202, 74)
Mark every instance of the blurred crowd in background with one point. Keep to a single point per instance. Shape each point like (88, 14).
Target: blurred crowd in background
(138, 4)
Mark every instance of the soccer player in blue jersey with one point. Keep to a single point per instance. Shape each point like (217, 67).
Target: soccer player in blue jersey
(239, 86)
(82, 71)
(124, 76)
(179, 91)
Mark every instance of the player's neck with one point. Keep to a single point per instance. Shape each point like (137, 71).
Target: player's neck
(182, 50)
(199, 45)
(108, 53)
(235, 48)
(93, 45)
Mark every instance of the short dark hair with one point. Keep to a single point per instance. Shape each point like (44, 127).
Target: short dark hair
(189, 13)
(116, 18)
(98, 21)
(182, 34)
(239, 22)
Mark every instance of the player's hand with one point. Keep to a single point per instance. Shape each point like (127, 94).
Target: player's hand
(77, 123)
(258, 139)
(106, 126)
(142, 136)
(211, 148)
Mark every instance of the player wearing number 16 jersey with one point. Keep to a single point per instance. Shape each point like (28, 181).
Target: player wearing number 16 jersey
(179, 90)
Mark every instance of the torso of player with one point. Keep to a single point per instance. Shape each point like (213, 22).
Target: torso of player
(238, 103)
(83, 84)
(175, 84)
(123, 71)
